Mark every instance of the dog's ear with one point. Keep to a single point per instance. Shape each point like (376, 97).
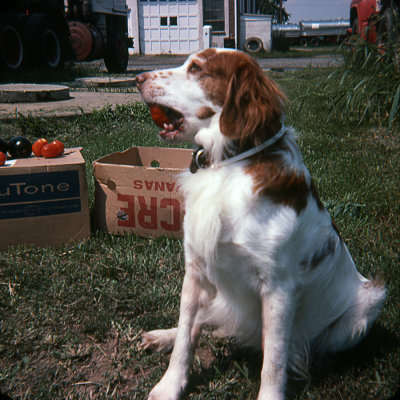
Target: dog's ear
(253, 105)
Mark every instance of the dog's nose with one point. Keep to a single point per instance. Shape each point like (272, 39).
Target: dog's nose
(141, 78)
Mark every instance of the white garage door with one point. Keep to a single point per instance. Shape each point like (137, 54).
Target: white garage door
(168, 27)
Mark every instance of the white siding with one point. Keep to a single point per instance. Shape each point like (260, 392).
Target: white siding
(168, 27)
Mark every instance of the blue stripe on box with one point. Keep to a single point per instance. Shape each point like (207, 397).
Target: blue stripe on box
(39, 209)
(39, 194)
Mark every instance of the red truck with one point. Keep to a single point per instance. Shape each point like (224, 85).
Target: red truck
(375, 20)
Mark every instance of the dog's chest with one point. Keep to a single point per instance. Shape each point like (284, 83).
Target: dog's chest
(224, 231)
(221, 208)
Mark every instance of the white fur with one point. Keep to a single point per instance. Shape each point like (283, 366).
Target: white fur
(248, 260)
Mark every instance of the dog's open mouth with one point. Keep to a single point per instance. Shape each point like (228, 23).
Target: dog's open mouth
(170, 120)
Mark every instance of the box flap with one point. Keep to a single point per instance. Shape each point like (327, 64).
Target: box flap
(70, 156)
(150, 157)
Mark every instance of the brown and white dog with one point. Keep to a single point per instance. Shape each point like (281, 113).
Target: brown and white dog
(264, 262)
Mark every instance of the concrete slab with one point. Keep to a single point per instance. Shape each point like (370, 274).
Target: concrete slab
(32, 92)
(78, 103)
(104, 82)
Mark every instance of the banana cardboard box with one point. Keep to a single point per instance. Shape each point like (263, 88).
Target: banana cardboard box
(137, 191)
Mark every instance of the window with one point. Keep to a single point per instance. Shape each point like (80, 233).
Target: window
(173, 21)
(214, 14)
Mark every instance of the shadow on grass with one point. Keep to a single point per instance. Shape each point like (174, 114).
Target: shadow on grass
(377, 345)
(245, 365)
(358, 362)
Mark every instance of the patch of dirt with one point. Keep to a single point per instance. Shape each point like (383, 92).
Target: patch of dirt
(389, 139)
(89, 368)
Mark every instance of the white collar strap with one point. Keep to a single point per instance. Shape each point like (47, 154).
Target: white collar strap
(198, 164)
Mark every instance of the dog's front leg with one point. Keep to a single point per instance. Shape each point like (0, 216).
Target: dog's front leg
(277, 319)
(175, 379)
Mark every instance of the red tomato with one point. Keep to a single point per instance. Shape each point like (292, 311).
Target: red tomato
(158, 115)
(60, 145)
(53, 149)
(3, 158)
(38, 145)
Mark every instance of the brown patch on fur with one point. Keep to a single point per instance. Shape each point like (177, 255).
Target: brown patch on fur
(321, 206)
(314, 194)
(252, 104)
(320, 255)
(205, 112)
(336, 229)
(377, 283)
(280, 184)
(164, 74)
(212, 74)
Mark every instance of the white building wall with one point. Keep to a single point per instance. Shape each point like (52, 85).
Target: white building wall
(133, 25)
(165, 27)
(251, 25)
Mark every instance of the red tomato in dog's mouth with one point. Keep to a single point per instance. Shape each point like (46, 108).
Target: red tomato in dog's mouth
(159, 116)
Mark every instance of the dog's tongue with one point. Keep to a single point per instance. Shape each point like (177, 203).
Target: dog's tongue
(159, 116)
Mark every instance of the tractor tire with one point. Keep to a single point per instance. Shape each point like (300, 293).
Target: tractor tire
(44, 42)
(12, 50)
(354, 29)
(253, 45)
(315, 41)
(116, 55)
(303, 42)
(387, 29)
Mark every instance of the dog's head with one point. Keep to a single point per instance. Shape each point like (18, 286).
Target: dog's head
(216, 92)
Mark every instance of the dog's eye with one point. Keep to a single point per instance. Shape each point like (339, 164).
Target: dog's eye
(194, 67)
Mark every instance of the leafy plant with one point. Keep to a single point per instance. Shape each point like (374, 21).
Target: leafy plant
(368, 86)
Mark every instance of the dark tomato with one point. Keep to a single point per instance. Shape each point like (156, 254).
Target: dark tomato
(19, 147)
(3, 146)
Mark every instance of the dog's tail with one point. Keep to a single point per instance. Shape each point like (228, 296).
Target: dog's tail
(352, 326)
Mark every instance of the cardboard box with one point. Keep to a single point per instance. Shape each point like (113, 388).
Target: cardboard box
(44, 201)
(136, 191)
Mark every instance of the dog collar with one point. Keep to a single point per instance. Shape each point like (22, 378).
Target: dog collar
(200, 156)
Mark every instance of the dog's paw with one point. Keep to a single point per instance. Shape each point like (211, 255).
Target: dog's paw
(160, 395)
(162, 340)
(169, 388)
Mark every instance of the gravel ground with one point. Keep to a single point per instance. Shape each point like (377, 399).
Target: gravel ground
(145, 63)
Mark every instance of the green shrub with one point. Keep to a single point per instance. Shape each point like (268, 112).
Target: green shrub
(368, 86)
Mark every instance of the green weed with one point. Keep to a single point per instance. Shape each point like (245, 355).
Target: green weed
(368, 87)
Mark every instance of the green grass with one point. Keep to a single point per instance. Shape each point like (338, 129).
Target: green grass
(71, 317)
